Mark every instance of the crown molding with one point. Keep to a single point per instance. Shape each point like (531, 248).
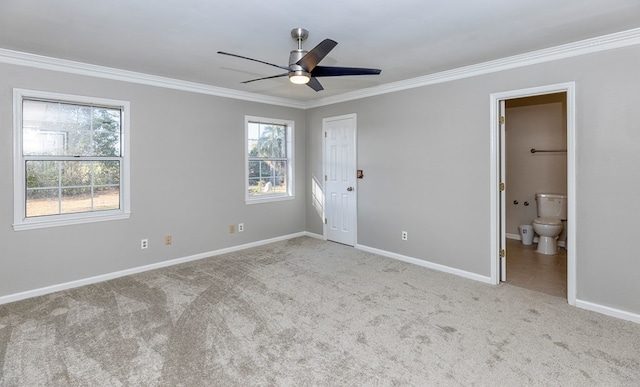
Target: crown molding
(79, 68)
(601, 43)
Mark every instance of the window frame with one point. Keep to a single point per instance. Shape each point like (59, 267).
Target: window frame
(290, 129)
(21, 222)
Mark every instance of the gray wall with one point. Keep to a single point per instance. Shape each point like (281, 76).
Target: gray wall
(538, 122)
(187, 180)
(426, 157)
(425, 153)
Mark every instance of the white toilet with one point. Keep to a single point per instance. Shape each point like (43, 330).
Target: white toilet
(552, 210)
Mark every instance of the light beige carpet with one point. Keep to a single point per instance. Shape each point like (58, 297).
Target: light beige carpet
(305, 312)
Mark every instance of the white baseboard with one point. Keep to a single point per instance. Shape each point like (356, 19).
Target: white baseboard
(621, 314)
(617, 313)
(513, 236)
(140, 269)
(518, 238)
(535, 239)
(427, 264)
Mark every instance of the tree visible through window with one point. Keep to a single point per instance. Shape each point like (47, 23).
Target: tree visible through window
(269, 157)
(71, 159)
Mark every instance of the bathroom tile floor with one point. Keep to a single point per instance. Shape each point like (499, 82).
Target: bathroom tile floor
(534, 271)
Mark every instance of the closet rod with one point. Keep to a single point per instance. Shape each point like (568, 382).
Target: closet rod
(547, 150)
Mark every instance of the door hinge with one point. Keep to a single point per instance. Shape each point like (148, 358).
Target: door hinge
(502, 253)
(325, 134)
(325, 178)
(501, 186)
(325, 220)
(501, 120)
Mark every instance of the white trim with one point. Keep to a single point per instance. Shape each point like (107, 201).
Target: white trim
(517, 237)
(494, 194)
(80, 218)
(606, 310)
(290, 128)
(268, 199)
(617, 313)
(582, 47)
(602, 43)
(79, 68)
(427, 264)
(20, 222)
(140, 269)
(570, 89)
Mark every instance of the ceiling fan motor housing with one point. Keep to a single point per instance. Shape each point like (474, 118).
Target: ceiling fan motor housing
(295, 70)
(294, 57)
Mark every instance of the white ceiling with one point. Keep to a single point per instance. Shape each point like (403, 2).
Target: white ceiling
(404, 38)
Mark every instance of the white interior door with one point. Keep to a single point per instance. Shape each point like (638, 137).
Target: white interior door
(502, 189)
(340, 178)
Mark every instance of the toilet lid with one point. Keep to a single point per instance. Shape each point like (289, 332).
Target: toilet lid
(548, 221)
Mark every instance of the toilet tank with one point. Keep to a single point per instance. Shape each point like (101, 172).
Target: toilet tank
(552, 206)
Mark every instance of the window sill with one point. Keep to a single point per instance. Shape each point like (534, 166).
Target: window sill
(269, 199)
(36, 224)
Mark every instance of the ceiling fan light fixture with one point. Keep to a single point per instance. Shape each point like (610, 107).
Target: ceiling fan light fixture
(303, 66)
(299, 77)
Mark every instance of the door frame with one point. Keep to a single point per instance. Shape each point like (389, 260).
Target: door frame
(495, 172)
(354, 116)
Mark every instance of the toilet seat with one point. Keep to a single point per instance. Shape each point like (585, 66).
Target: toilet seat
(548, 221)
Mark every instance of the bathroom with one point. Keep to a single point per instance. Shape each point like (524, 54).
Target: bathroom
(534, 123)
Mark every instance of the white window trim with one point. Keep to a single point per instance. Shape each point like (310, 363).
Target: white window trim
(20, 222)
(291, 153)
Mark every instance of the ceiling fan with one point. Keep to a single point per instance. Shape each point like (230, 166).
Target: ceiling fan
(303, 65)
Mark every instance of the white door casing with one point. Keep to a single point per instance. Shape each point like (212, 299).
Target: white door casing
(340, 210)
(502, 192)
(497, 207)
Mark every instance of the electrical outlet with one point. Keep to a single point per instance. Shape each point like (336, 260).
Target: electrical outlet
(232, 229)
(144, 244)
(167, 240)
(405, 235)
(240, 227)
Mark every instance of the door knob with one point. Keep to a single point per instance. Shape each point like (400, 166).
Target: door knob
(350, 189)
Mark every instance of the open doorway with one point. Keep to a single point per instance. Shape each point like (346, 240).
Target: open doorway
(535, 162)
(501, 228)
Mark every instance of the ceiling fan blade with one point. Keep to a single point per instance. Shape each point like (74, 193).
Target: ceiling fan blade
(315, 84)
(329, 71)
(255, 60)
(260, 79)
(313, 57)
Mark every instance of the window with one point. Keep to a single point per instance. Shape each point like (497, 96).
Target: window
(269, 163)
(71, 159)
